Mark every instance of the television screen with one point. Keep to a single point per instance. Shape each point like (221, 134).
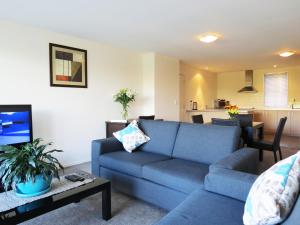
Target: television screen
(15, 124)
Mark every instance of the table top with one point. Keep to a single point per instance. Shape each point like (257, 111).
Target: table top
(51, 202)
(257, 124)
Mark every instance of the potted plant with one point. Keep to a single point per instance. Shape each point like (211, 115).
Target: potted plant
(29, 169)
(125, 96)
(232, 110)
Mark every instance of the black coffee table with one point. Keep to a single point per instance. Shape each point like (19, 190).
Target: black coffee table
(44, 205)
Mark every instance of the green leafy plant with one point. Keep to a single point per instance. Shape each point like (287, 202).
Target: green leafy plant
(125, 96)
(25, 163)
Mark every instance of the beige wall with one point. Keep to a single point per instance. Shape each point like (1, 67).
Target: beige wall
(196, 85)
(230, 82)
(70, 117)
(166, 88)
(148, 75)
(160, 86)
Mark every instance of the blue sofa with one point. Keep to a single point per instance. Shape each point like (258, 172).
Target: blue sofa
(171, 169)
(221, 203)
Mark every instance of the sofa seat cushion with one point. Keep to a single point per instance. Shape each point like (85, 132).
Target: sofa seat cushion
(205, 208)
(129, 163)
(178, 174)
(205, 143)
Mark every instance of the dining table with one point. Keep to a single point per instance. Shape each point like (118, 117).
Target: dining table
(256, 131)
(252, 132)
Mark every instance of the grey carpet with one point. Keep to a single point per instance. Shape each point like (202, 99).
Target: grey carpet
(125, 211)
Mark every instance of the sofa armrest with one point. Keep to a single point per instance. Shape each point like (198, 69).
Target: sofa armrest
(244, 159)
(231, 183)
(103, 146)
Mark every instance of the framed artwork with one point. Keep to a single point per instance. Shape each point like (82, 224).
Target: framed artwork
(68, 66)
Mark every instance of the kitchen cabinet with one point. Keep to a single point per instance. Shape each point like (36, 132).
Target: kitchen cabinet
(287, 127)
(295, 123)
(271, 119)
(258, 116)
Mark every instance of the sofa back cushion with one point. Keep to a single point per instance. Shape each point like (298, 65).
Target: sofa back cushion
(205, 143)
(162, 136)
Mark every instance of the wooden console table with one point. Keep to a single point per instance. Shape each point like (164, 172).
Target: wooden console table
(113, 127)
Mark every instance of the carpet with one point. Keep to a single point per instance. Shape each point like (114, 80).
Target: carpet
(125, 211)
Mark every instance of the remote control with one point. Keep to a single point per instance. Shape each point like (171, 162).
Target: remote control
(74, 178)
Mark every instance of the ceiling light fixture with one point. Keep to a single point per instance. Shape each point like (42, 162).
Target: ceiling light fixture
(209, 37)
(286, 53)
(274, 66)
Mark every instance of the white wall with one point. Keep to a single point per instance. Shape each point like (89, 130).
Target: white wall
(70, 117)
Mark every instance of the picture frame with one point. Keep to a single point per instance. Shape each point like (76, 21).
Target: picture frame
(68, 66)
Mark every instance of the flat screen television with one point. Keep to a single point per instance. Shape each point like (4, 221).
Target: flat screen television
(15, 124)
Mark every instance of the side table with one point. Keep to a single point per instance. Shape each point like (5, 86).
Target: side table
(113, 127)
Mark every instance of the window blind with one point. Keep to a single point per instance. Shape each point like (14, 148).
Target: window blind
(276, 90)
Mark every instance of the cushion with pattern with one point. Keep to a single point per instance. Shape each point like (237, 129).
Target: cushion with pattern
(131, 136)
(274, 193)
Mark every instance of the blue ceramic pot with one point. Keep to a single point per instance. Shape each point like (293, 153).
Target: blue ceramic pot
(33, 188)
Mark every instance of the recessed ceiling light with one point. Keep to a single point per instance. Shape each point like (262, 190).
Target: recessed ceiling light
(209, 37)
(274, 66)
(286, 53)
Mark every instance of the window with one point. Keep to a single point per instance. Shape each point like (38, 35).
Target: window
(276, 90)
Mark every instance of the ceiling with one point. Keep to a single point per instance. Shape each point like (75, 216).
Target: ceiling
(253, 30)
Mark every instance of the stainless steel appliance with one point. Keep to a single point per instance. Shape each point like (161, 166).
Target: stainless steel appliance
(220, 103)
(248, 88)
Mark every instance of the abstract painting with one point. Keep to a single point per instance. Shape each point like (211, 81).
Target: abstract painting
(68, 66)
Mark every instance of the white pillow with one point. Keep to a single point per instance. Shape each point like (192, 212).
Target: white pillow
(274, 193)
(131, 136)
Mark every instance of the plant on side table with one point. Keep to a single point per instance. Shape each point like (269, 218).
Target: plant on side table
(29, 169)
(125, 96)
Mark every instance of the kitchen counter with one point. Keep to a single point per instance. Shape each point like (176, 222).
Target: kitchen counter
(210, 113)
(220, 110)
(277, 109)
(243, 109)
(270, 117)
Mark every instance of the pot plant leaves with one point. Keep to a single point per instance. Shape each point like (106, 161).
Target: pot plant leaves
(25, 163)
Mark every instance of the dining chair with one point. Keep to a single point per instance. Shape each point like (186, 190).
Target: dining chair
(245, 119)
(246, 125)
(197, 118)
(147, 117)
(273, 146)
(225, 122)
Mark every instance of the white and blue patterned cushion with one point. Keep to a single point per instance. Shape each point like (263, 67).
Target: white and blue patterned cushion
(131, 137)
(274, 193)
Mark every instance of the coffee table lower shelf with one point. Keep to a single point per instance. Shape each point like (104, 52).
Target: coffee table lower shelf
(45, 205)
